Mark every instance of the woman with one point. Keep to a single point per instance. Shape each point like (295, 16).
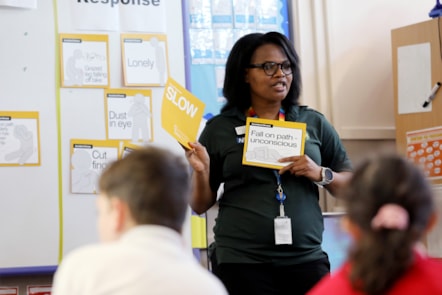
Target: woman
(263, 80)
(389, 208)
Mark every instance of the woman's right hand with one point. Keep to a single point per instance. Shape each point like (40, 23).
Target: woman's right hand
(198, 157)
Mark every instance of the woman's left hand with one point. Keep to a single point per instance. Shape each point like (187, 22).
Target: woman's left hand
(304, 166)
(301, 166)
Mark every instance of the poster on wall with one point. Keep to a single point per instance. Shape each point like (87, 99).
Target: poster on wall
(414, 78)
(19, 139)
(129, 115)
(88, 159)
(84, 61)
(144, 59)
(424, 148)
(267, 141)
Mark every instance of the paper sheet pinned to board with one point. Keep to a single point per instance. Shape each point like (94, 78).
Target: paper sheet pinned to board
(19, 3)
(414, 77)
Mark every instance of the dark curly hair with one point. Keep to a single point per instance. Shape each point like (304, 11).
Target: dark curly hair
(236, 90)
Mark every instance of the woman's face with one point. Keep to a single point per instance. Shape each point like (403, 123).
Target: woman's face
(265, 88)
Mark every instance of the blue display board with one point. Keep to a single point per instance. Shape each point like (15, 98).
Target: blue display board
(335, 240)
(211, 27)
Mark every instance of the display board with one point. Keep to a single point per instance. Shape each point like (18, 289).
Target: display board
(417, 68)
(68, 106)
(211, 27)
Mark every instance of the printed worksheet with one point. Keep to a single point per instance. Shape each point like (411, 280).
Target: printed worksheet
(424, 148)
(88, 159)
(19, 139)
(129, 114)
(84, 61)
(145, 60)
(181, 113)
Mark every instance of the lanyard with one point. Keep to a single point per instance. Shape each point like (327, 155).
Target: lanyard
(280, 195)
(281, 117)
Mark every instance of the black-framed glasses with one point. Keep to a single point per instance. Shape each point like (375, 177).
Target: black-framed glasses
(270, 68)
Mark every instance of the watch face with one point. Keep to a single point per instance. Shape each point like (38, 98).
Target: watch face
(328, 174)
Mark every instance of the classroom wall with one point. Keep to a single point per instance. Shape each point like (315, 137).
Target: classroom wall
(38, 212)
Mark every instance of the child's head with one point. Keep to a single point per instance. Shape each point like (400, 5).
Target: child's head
(149, 186)
(390, 203)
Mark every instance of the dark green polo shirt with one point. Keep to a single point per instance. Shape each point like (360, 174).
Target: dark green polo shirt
(244, 227)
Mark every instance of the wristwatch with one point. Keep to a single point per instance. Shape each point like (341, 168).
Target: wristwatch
(327, 176)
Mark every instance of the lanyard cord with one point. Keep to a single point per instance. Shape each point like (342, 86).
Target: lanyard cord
(251, 113)
(280, 196)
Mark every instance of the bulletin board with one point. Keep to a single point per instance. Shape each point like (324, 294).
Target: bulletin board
(417, 67)
(211, 27)
(48, 128)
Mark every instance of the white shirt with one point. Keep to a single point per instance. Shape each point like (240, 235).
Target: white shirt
(146, 260)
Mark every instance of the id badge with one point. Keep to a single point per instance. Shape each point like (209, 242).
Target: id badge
(283, 230)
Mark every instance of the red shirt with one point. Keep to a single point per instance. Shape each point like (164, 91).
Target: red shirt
(423, 277)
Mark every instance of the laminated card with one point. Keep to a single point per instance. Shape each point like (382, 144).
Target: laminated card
(181, 113)
(266, 141)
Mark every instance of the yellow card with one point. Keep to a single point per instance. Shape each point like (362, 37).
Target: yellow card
(181, 113)
(267, 141)
(199, 232)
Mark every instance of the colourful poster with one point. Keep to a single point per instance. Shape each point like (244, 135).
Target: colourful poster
(267, 141)
(129, 114)
(88, 159)
(424, 148)
(181, 113)
(84, 61)
(19, 139)
(144, 59)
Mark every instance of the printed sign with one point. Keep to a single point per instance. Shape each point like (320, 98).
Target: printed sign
(88, 159)
(181, 113)
(84, 61)
(19, 139)
(424, 148)
(267, 141)
(129, 115)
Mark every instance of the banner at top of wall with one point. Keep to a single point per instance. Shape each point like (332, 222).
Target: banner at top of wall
(119, 15)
